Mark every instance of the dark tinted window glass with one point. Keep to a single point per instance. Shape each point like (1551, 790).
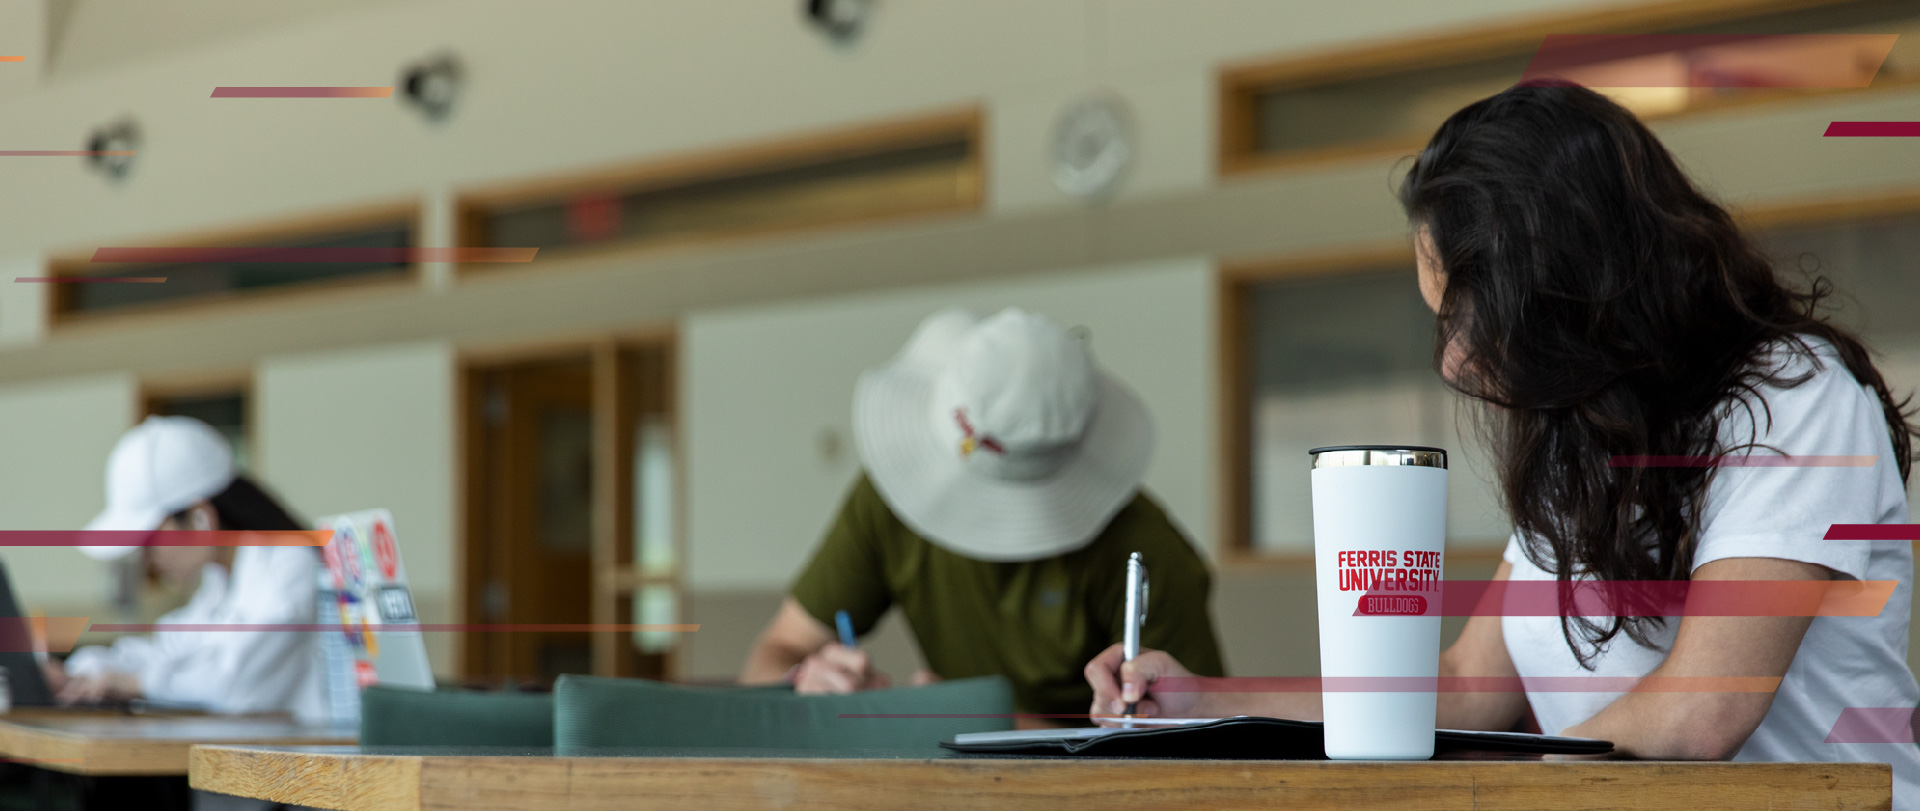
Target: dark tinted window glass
(819, 189)
(197, 280)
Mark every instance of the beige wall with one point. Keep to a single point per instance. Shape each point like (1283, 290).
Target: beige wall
(345, 431)
(54, 439)
(604, 80)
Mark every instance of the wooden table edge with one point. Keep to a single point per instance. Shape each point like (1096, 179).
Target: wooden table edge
(102, 756)
(347, 781)
(354, 781)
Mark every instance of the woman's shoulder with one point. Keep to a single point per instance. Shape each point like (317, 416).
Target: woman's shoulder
(1804, 386)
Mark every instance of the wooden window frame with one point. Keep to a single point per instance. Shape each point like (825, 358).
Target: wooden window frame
(470, 203)
(616, 575)
(1235, 279)
(205, 383)
(78, 262)
(1241, 85)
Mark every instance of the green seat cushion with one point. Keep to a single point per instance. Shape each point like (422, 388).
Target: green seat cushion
(600, 713)
(395, 716)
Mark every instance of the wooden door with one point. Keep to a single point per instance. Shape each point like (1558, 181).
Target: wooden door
(530, 504)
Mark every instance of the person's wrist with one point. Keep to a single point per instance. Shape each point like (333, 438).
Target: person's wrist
(1202, 706)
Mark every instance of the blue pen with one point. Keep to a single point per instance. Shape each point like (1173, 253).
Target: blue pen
(845, 624)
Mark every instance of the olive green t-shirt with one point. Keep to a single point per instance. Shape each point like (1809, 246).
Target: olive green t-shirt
(1035, 622)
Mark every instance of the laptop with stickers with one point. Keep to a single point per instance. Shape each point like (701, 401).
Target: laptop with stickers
(376, 611)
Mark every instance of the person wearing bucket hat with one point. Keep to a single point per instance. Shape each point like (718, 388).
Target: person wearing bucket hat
(1000, 500)
(177, 473)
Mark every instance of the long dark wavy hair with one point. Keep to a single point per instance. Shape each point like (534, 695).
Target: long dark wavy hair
(1603, 305)
(244, 505)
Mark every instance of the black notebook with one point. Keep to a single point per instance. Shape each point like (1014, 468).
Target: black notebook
(1243, 738)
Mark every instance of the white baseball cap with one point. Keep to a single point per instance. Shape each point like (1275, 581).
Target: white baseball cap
(160, 467)
(998, 439)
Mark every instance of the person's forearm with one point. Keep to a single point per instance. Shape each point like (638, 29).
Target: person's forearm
(1457, 711)
(1296, 706)
(769, 662)
(1676, 725)
(1464, 667)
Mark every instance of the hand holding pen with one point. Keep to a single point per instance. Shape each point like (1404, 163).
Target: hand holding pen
(841, 667)
(1122, 675)
(1116, 682)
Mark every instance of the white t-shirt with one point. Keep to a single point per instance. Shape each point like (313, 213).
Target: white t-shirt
(1781, 512)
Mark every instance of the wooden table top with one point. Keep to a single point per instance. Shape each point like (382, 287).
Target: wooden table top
(404, 779)
(103, 742)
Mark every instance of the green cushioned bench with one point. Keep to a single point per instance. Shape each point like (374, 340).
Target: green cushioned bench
(601, 713)
(394, 716)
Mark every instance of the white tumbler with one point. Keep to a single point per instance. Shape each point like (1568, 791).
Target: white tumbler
(1379, 532)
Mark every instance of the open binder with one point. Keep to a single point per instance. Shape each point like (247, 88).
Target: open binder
(1243, 738)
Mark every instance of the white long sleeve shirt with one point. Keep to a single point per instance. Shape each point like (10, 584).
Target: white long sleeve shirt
(249, 671)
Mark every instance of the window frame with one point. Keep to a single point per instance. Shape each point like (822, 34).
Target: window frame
(969, 123)
(1240, 85)
(78, 262)
(206, 383)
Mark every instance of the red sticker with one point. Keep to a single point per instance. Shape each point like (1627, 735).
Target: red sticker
(363, 672)
(332, 557)
(384, 551)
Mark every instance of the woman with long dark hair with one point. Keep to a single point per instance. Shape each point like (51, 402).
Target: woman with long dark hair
(1600, 306)
(177, 473)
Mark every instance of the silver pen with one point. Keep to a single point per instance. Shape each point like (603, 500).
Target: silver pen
(1136, 618)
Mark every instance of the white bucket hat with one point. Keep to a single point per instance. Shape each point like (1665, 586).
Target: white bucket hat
(160, 467)
(998, 439)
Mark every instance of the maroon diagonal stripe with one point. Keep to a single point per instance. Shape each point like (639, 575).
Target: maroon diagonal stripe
(65, 153)
(143, 628)
(1873, 129)
(332, 92)
(1466, 684)
(297, 254)
(1629, 598)
(91, 279)
(1873, 532)
(1875, 725)
(1623, 460)
(164, 537)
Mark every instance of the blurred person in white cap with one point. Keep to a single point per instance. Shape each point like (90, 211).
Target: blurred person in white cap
(177, 473)
(1000, 500)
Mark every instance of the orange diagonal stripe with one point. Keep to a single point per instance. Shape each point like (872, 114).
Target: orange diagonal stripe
(55, 634)
(1856, 598)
